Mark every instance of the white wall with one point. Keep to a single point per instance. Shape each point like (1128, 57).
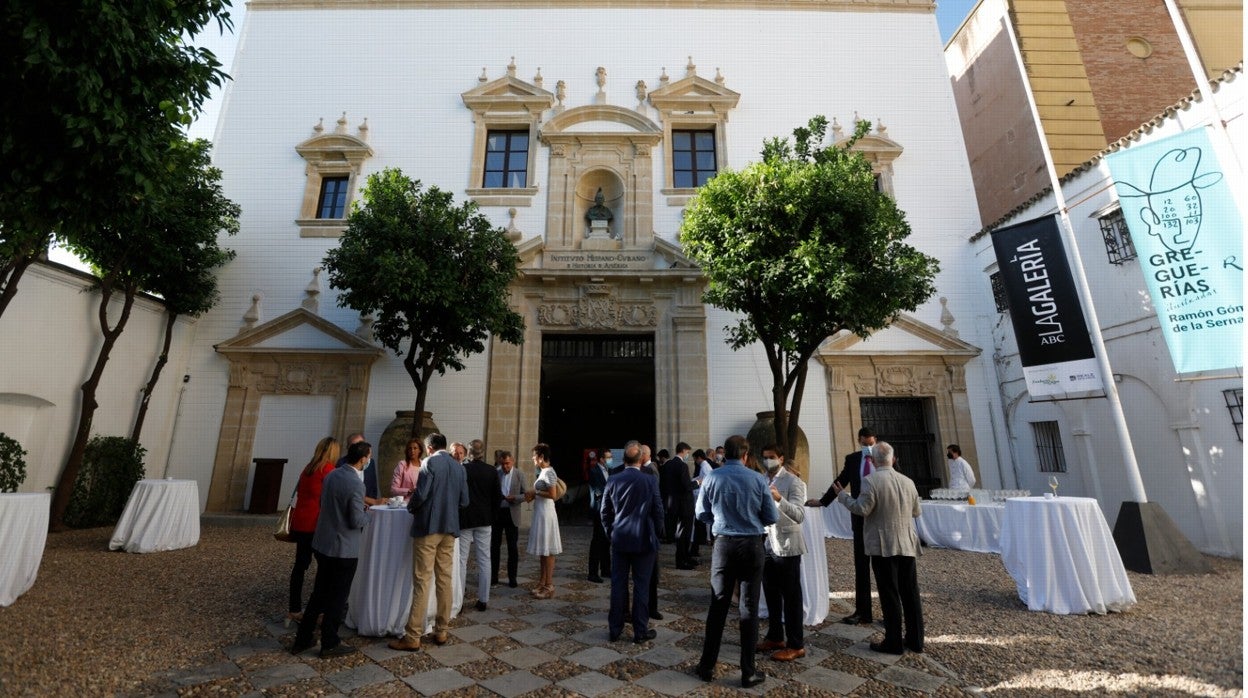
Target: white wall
(49, 339)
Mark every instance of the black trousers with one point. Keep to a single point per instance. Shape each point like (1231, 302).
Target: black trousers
(898, 584)
(782, 587)
(684, 530)
(303, 559)
(735, 561)
(862, 573)
(599, 547)
(504, 526)
(639, 566)
(329, 596)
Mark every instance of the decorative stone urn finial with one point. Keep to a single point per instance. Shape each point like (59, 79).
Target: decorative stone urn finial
(363, 129)
(641, 95)
(600, 76)
(485, 77)
(365, 329)
(313, 292)
(511, 67)
(663, 79)
(537, 79)
(319, 128)
(251, 318)
(946, 318)
(561, 92)
(690, 69)
(513, 233)
(342, 124)
(719, 77)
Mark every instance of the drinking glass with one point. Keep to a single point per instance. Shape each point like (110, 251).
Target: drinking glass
(1053, 484)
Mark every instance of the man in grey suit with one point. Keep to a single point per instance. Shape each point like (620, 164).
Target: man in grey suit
(889, 503)
(507, 519)
(441, 491)
(336, 544)
(782, 570)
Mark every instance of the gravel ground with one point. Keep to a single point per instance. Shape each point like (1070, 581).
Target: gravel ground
(100, 623)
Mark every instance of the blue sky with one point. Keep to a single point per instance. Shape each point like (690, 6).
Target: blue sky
(949, 14)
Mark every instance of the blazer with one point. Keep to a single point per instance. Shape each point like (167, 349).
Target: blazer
(597, 484)
(632, 512)
(370, 477)
(675, 484)
(484, 495)
(785, 535)
(851, 477)
(516, 490)
(441, 491)
(889, 504)
(341, 523)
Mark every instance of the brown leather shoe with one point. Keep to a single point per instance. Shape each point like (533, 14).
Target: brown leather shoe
(405, 644)
(769, 645)
(438, 638)
(789, 654)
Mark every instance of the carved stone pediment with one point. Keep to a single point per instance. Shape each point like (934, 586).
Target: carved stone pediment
(597, 308)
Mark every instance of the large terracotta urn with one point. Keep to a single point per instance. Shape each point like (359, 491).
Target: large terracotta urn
(797, 460)
(390, 449)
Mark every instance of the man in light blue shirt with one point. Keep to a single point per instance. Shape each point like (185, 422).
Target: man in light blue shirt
(736, 503)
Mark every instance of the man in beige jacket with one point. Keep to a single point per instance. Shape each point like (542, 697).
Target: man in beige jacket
(782, 570)
(889, 503)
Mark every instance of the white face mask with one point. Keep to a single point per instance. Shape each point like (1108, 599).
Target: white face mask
(772, 464)
(866, 451)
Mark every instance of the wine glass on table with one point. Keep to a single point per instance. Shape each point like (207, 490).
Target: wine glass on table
(1053, 484)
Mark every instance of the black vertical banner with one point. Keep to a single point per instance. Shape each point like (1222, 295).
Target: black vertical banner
(1053, 342)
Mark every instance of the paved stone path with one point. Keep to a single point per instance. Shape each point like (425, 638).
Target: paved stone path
(522, 646)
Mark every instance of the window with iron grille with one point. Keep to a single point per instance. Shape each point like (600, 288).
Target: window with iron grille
(998, 292)
(333, 201)
(1049, 447)
(1118, 245)
(1235, 403)
(506, 159)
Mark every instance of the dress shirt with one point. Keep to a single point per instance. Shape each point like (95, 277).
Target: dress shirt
(504, 484)
(961, 477)
(736, 501)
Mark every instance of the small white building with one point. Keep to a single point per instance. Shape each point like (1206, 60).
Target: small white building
(1187, 430)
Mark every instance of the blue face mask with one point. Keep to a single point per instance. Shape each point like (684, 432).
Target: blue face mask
(609, 461)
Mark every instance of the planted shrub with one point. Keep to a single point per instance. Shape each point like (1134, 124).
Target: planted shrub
(12, 464)
(110, 467)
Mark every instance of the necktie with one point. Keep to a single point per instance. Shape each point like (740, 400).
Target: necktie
(866, 466)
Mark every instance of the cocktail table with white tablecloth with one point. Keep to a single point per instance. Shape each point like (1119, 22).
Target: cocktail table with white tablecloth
(23, 534)
(381, 594)
(837, 522)
(961, 526)
(814, 570)
(160, 515)
(1062, 556)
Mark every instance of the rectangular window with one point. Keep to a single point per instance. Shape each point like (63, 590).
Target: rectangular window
(333, 201)
(998, 292)
(1049, 447)
(1118, 245)
(1235, 403)
(506, 159)
(693, 158)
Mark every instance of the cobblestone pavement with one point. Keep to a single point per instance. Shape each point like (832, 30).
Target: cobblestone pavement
(559, 647)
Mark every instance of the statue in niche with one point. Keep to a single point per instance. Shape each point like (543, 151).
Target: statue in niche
(599, 218)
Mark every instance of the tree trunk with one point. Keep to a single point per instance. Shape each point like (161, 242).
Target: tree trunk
(170, 319)
(420, 370)
(791, 427)
(12, 273)
(65, 484)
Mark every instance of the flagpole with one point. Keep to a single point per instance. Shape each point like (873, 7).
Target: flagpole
(1125, 448)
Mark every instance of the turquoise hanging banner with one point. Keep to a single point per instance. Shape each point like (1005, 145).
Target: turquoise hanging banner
(1187, 231)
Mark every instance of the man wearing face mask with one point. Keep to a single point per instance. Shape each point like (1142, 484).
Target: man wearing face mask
(599, 544)
(782, 569)
(679, 504)
(857, 466)
(961, 477)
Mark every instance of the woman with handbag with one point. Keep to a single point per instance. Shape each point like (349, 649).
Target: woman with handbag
(406, 472)
(544, 538)
(307, 509)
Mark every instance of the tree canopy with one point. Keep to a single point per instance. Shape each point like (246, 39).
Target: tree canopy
(433, 274)
(91, 94)
(801, 246)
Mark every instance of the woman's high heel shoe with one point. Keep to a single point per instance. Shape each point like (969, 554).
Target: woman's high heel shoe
(293, 617)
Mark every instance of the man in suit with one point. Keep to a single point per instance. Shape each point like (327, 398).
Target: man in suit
(507, 519)
(441, 491)
(679, 502)
(782, 571)
(648, 467)
(372, 495)
(632, 514)
(599, 544)
(889, 503)
(857, 466)
(476, 522)
(336, 544)
(738, 505)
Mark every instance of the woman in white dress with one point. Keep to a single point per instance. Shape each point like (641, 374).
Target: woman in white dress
(544, 533)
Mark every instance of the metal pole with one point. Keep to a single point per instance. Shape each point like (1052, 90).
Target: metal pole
(1134, 480)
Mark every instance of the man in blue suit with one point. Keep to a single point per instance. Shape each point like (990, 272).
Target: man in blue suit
(441, 491)
(599, 544)
(632, 514)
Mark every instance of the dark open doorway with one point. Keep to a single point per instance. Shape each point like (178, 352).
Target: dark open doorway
(906, 424)
(597, 392)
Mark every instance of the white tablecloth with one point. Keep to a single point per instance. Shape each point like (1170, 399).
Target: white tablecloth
(160, 515)
(814, 570)
(961, 526)
(381, 594)
(23, 533)
(836, 521)
(1062, 556)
